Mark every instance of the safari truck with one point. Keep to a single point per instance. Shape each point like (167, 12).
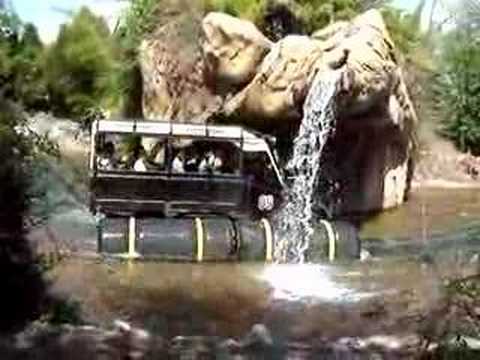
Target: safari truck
(184, 192)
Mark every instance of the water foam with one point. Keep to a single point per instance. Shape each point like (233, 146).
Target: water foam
(307, 282)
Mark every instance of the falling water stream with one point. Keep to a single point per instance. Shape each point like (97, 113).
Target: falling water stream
(318, 123)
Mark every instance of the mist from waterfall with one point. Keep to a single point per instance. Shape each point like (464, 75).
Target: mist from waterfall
(295, 229)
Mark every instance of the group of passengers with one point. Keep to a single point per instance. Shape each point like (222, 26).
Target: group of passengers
(184, 161)
(210, 162)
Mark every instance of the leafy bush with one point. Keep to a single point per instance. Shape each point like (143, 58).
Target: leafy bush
(246, 9)
(317, 14)
(402, 27)
(308, 15)
(80, 66)
(139, 20)
(30, 87)
(21, 70)
(64, 311)
(24, 289)
(458, 89)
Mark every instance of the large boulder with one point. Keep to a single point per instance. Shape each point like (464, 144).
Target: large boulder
(233, 49)
(371, 59)
(279, 87)
(362, 48)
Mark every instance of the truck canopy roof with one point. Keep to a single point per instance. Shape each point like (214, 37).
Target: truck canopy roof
(244, 139)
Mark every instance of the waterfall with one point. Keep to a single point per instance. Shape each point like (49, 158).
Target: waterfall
(295, 220)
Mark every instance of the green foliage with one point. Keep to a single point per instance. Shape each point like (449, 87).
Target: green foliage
(80, 66)
(403, 29)
(317, 14)
(19, 149)
(14, 149)
(458, 89)
(64, 312)
(139, 20)
(23, 287)
(21, 71)
(20, 79)
(464, 326)
(10, 24)
(246, 9)
(29, 82)
(311, 14)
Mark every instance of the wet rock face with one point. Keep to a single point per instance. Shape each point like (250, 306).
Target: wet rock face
(235, 70)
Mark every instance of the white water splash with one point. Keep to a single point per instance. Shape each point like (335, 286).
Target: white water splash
(308, 282)
(295, 227)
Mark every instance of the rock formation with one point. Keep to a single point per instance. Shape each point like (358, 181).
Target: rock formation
(235, 71)
(173, 72)
(233, 49)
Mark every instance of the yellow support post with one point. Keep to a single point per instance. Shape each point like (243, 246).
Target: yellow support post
(200, 235)
(267, 228)
(332, 240)
(132, 237)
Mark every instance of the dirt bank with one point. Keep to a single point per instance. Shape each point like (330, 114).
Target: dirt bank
(441, 165)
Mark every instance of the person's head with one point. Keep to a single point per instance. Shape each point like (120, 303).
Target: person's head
(181, 154)
(109, 149)
(139, 152)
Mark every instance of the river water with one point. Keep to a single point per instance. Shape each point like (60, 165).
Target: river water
(413, 249)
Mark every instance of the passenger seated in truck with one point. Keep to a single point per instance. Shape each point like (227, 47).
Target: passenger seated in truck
(178, 165)
(191, 162)
(157, 155)
(140, 157)
(206, 165)
(212, 163)
(218, 162)
(106, 158)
